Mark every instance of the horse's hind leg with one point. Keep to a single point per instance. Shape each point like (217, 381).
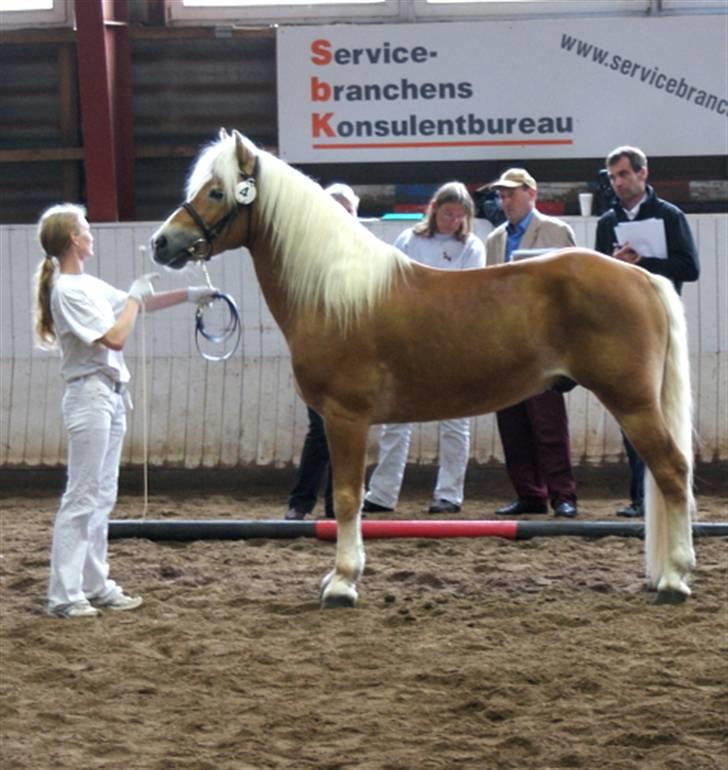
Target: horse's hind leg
(669, 554)
(347, 438)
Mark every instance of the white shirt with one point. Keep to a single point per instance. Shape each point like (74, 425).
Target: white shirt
(632, 213)
(84, 308)
(443, 251)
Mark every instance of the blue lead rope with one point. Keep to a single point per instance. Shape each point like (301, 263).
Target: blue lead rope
(230, 330)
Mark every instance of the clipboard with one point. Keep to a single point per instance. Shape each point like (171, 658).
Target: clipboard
(646, 237)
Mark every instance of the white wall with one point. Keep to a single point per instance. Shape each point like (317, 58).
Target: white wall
(245, 411)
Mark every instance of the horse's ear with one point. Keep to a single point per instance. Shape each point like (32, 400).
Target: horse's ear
(245, 152)
(223, 134)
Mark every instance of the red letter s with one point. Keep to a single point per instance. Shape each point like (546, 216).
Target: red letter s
(321, 50)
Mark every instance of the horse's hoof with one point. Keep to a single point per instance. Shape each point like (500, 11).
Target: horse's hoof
(338, 600)
(345, 596)
(670, 596)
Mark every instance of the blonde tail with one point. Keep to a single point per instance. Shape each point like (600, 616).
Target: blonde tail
(676, 401)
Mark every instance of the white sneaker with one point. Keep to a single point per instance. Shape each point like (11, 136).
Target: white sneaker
(121, 602)
(79, 609)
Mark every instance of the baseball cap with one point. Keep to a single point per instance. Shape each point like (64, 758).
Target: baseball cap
(515, 177)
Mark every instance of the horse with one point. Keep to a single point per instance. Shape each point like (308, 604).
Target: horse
(377, 338)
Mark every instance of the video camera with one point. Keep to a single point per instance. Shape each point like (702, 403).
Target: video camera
(606, 194)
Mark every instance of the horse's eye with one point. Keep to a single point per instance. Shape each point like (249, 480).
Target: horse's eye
(216, 194)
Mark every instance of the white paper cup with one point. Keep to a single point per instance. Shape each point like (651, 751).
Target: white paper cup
(585, 204)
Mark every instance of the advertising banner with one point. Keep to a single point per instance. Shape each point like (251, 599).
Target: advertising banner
(566, 88)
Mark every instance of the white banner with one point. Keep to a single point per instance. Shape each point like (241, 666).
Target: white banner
(486, 90)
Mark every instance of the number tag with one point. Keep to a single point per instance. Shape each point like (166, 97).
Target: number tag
(245, 191)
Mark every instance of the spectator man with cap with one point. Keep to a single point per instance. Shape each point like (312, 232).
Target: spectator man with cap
(535, 432)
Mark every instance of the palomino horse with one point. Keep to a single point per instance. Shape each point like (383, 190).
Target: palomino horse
(377, 338)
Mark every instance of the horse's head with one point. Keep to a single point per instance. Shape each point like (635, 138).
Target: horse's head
(216, 214)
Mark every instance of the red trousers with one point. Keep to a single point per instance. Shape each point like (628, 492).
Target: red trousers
(535, 437)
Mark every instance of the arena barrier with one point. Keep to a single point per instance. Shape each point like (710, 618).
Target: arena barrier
(325, 529)
(245, 413)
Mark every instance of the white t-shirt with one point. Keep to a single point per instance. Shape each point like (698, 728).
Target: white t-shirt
(84, 308)
(442, 251)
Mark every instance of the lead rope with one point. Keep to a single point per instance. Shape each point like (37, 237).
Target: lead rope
(231, 329)
(145, 411)
(207, 275)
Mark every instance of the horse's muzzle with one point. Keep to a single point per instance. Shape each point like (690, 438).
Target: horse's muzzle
(166, 252)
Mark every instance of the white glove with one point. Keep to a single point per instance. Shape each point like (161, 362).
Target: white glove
(143, 287)
(201, 294)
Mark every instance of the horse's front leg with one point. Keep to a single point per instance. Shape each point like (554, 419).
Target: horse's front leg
(347, 438)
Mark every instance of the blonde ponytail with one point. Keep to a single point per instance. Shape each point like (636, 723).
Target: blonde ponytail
(55, 228)
(43, 326)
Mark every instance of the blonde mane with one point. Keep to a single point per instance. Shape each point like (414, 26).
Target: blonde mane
(328, 258)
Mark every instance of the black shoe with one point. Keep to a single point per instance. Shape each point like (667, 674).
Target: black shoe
(522, 505)
(566, 509)
(370, 507)
(444, 506)
(632, 511)
(293, 515)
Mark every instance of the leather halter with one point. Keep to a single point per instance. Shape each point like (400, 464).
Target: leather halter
(202, 247)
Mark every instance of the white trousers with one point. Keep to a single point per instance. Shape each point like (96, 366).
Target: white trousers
(95, 421)
(385, 483)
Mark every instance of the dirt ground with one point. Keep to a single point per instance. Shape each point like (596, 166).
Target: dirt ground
(462, 653)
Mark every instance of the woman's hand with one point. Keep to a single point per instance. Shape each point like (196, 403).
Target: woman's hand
(143, 287)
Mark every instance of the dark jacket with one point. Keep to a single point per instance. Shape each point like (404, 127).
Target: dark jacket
(682, 257)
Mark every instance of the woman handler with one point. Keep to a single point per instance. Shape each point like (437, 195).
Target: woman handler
(90, 321)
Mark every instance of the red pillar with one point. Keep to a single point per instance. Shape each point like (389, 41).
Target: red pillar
(106, 108)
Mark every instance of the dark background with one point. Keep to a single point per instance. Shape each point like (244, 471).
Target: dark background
(187, 82)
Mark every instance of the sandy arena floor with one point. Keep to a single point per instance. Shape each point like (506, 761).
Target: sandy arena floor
(480, 653)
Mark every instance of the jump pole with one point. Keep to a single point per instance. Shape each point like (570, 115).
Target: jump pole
(325, 529)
